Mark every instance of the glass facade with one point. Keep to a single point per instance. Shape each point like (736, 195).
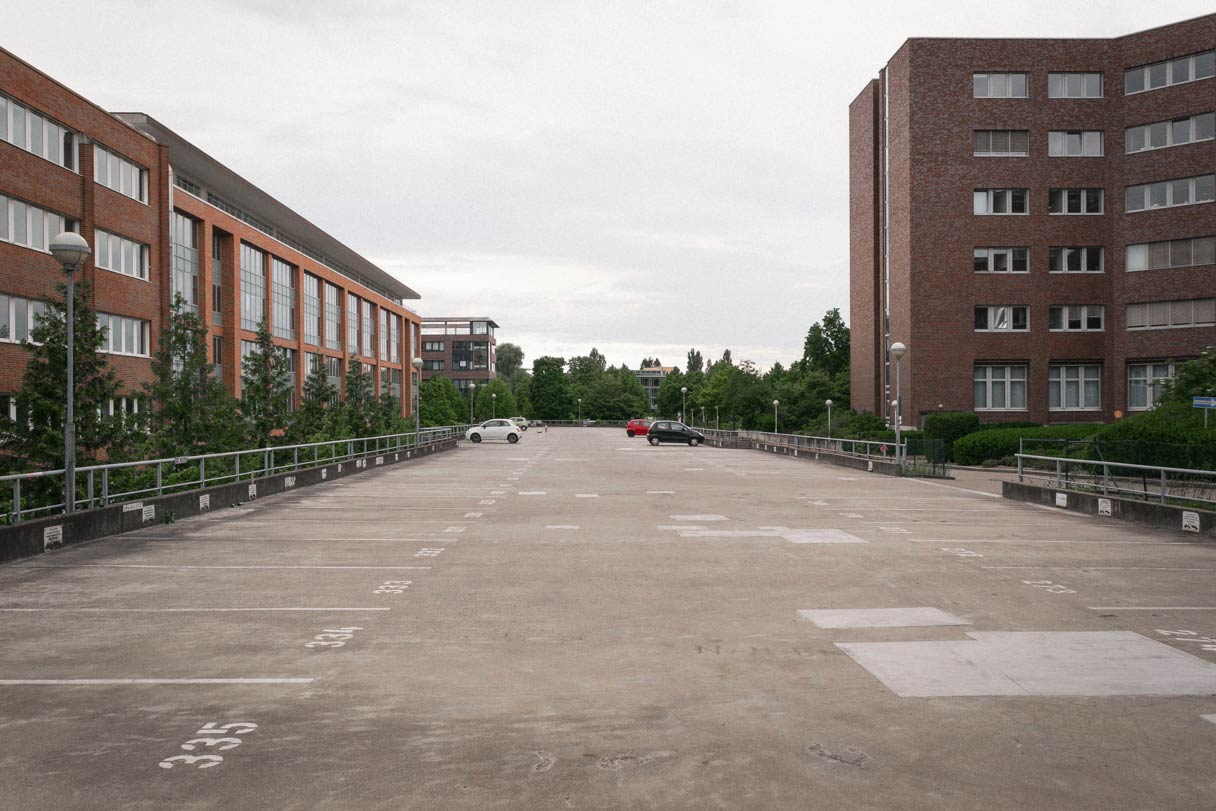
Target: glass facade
(283, 298)
(333, 317)
(352, 324)
(470, 355)
(253, 287)
(217, 279)
(369, 329)
(183, 279)
(312, 310)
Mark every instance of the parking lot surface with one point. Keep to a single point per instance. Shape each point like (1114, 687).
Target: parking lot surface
(584, 621)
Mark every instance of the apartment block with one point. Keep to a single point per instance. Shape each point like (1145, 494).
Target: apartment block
(164, 219)
(1034, 220)
(461, 349)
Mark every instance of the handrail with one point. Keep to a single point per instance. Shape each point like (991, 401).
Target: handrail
(1110, 483)
(859, 448)
(269, 464)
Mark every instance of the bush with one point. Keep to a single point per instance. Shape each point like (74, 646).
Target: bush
(948, 426)
(994, 443)
(1170, 435)
(989, 426)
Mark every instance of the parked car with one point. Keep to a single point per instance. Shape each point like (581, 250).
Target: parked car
(522, 422)
(637, 427)
(670, 431)
(494, 429)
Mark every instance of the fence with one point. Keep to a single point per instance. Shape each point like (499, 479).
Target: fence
(1167, 485)
(28, 495)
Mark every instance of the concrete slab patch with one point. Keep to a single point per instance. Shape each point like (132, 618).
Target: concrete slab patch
(1050, 663)
(1211, 718)
(698, 518)
(924, 616)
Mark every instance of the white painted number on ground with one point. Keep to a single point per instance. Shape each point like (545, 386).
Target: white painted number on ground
(332, 638)
(1205, 642)
(1049, 587)
(960, 552)
(429, 552)
(213, 738)
(393, 586)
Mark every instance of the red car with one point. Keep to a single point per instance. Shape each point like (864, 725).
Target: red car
(638, 427)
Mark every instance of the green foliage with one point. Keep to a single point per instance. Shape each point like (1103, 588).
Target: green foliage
(1171, 435)
(550, 391)
(359, 411)
(191, 411)
(388, 416)
(265, 389)
(616, 395)
(669, 400)
(950, 426)
(826, 348)
(509, 359)
(1196, 378)
(311, 419)
(494, 399)
(441, 403)
(36, 439)
(585, 370)
(997, 443)
(696, 364)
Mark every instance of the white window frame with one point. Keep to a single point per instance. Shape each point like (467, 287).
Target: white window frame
(1082, 191)
(130, 252)
(988, 195)
(989, 256)
(992, 81)
(1151, 311)
(104, 172)
(1133, 263)
(1058, 143)
(1063, 85)
(992, 153)
(43, 222)
(1144, 190)
(1082, 313)
(1192, 61)
(33, 309)
(1083, 250)
(1057, 378)
(8, 108)
(120, 336)
(1169, 123)
(984, 374)
(995, 309)
(1150, 381)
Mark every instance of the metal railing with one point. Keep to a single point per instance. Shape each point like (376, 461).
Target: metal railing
(1146, 482)
(114, 482)
(859, 448)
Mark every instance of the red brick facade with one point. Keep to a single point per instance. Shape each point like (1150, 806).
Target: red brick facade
(922, 187)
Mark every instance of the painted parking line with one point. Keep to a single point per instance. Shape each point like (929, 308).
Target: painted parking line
(533, 493)
(660, 492)
(586, 495)
(1151, 607)
(562, 526)
(92, 682)
(1030, 541)
(190, 566)
(1107, 568)
(170, 610)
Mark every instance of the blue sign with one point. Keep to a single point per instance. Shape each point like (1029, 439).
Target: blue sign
(1203, 402)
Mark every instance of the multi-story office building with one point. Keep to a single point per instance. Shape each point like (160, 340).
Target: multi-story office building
(651, 377)
(1034, 219)
(66, 164)
(163, 218)
(461, 349)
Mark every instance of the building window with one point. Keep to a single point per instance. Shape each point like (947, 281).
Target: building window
(1074, 85)
(283, 298)
(32, 131)
(369, 329)
(1169, 193)
(1169, 314)
(395, 384)
(1161, 134)
(394, 340)
(383, 334)
(333, 372)
(253, 287)
(312, 310)
(1074, 143)
(1145, 383)
(999, 85)
(432, 346)
(1002, 319)
(129, 258)
(1074, 388)
(1001, 143)
(1173, 71)
(183, 233)
(1075, 317)
(1000, 201)
(1000, 388)
(1174, 253)
(123, 406)
(1002, 260)
(1076, 201)
(124, 336)
(432, 365)
(352, 324)
(217, 355)
(1084, 259)
(116, 172)
(18, 317)
(217, 279)
(30, 226)
(481, 328)
(333, 317)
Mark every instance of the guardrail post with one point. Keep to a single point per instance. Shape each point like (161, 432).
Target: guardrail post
(105, 486)
(1163, 487)
(1059, 478)
(266, 471)
(16, 501)
(1019, 465)
(1105, 479)
(202, 472)
(238, 468)
(90, 488)
(159, 487)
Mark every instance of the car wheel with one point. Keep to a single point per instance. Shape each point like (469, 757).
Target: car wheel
(654, 440)
(475, 438)
(693, 442)
(512, 438)
(630, 433)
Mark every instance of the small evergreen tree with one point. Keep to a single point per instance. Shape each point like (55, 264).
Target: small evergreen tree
(309, 423)
(359, 409)
(440, 403)
(265, 389)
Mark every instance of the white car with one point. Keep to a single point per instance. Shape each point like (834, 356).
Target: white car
(494, 429)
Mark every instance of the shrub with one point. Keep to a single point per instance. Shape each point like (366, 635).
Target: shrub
(948, 426)
(995, 443)
(1170, 435)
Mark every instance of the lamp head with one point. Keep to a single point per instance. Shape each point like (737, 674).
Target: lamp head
(828, 403)
(416, 363)
(898, 349)
(70, 250)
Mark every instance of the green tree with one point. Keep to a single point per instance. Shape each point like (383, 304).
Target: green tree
(440, 403)
(311, 422)
(669, 400)
(616, 395)
(36, 439)
(495, 399)
(550, 390)
(696, 363)
(190, 410)
(509, 360)
(265, 389)
(359, 409)
(650, 363)
(585, 370)
(1196, 378)
(389, 419)
(827, 344)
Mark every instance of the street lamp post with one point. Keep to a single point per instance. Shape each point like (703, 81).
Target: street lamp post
(703, 415)
(829, 405)
(417, 397)
(683, 402)
(472, 398)
(898, 349)
(715, 418)
(775, 415)
(493, 406)
(580, 409)
(70, 250)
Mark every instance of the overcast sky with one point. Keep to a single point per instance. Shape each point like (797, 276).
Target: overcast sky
(641, 177)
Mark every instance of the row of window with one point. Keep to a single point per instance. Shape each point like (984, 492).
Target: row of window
(1175, 132)
(988, 202)
(1169, 193)
(121, 255)
(1174, 253)
(457, 328)
(1091, 317)
(27, 129)
(1089, 85)
(1089, 143)
(28, 225)
(18, 317)
(1074, 387)
(124, 335)
(432, 346)
(116, 172)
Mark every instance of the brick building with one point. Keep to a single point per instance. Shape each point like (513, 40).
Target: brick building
(164, 218)
(461, 349)
(1034, 220)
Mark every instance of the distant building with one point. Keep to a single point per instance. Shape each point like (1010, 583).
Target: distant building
(460, 349)
(651, 378)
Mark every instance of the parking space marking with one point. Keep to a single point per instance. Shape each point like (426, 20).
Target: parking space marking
(697, 517)
(586, 495)
(167, 610)
(1151, 607)
(190, 566)
(1105, 568)
(86, 682)
(660, 492)
(562, 526)
(533, 493)
(1036, 541)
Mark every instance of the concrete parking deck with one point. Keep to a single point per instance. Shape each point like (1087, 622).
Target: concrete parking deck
(584, 621)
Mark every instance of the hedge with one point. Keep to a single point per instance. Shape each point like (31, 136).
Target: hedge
(1171, 435)
(997, 443)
